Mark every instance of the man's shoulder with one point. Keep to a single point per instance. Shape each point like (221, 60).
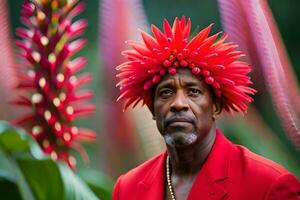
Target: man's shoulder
(127, 184)
(269, 179)
(258, 165)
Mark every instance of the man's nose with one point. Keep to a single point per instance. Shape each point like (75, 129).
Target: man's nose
(180, 102)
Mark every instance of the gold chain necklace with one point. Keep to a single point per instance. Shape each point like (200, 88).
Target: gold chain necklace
(169, 181)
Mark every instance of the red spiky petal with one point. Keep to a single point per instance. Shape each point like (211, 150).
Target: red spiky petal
(215, 60)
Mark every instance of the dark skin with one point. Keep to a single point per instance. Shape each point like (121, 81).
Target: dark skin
(185, 112)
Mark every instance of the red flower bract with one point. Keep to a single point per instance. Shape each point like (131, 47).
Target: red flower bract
(215, 60)
(48, 43)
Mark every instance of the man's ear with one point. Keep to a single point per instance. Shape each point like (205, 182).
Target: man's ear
(152, 111)
(150, 106)
(217, 109)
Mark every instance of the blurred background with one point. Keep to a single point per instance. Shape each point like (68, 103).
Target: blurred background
(126, 139)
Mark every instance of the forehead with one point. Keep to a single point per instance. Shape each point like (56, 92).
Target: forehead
(182, 77)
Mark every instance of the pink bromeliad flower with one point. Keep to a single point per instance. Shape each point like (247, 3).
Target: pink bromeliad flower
(47, 46)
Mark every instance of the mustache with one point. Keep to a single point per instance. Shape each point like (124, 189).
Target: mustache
(178, 118)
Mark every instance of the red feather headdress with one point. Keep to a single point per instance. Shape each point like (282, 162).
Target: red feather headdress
(215, 60)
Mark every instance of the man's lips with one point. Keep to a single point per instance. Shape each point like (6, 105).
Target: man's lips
(178, 121)
(179, 124)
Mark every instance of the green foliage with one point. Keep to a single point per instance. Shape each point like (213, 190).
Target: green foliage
(8, 184)
(74, 187)
(43, 177)
(98, 182)
(10, 141)
(31, 175)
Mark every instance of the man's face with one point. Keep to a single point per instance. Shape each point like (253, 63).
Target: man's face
(184, 108)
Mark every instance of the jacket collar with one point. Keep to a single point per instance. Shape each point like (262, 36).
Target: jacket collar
(218, 156)
(210, 182)
(152, 186)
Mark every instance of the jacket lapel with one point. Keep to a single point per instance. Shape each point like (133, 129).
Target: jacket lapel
(211, 181)
(152, 186)
(206, 189)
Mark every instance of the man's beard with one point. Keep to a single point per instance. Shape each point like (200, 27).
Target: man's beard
(180, 139)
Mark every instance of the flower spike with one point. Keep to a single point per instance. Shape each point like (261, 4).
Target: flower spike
(47, 46)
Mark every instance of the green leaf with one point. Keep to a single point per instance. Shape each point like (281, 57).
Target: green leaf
(38, 176)
(50, 180)
(75, 188)
(43, 177)
(101, 185)
(9, 168)
(16, 140)
(13, 139)
(8, 187)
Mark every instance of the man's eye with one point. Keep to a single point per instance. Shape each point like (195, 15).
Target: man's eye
(165, 93)
(194, 91)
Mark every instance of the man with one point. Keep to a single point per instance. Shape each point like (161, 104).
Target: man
(186, 85)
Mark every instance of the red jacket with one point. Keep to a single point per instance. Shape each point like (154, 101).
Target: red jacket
(230, 172)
